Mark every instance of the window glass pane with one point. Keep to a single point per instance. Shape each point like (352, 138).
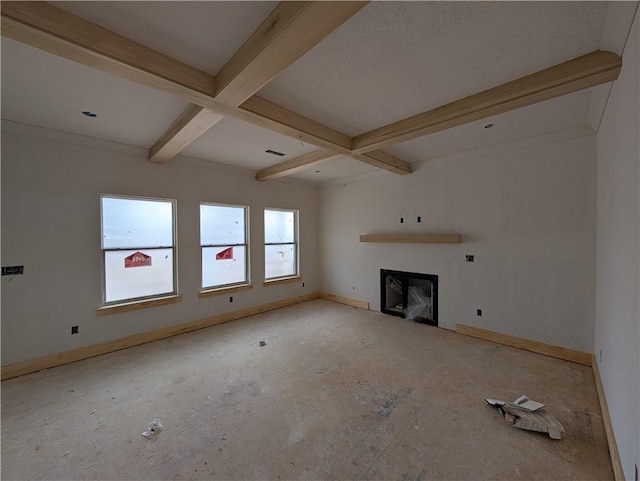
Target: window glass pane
(280, 260)
(223, 265)
(130, 223)
(220, 225)
(279, 226)
(138, 273)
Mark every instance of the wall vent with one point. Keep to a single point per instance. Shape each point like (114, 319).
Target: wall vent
(274, 152)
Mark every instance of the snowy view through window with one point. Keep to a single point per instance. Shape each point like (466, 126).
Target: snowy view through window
(280, 250)
(138, 248)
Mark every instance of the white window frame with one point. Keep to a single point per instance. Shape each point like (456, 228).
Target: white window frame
(247, 269)
(173, 247)
(295, 243)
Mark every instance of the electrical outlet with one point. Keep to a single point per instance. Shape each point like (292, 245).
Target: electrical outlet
(419, 219)
(478, 312)
(74, 330)
(470, 258)
(402, 220)
(230, 298)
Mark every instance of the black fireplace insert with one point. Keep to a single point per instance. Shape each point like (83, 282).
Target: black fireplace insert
(410, 295)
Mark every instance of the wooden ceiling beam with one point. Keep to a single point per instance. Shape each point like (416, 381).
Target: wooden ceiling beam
(54, 30)
(304, 162)
(385, 161)
(583, 72)
(274, 115)
(191, 124)
(287, 33)
(57, 31)
(571, 76)
(299, 164)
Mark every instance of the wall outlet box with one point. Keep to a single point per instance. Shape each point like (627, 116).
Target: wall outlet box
(74, 330)
(12, 270)
(470, 258)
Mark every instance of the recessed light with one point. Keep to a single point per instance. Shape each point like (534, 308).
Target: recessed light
(89, 114)
(488, 126)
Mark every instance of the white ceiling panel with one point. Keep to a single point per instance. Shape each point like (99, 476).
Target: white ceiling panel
(201, 34)
(335, 169)
(552, 115)
(396, 59)
(52, 92)
(235, 142)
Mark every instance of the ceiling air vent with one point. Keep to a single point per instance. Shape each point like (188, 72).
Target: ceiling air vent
(273, 152)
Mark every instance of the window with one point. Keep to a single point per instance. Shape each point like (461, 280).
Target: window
(280, 243)
(223, 238)
(138, 248)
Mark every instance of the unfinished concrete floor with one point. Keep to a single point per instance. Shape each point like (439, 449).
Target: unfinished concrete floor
(336, 393)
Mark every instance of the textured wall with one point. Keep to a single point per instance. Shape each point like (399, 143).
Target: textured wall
(617, 320)
(528, 216)
(51, 225)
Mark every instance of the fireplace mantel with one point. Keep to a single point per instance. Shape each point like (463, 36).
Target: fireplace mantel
(411, 238)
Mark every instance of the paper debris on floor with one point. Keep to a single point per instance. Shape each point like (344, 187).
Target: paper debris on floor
(155, 426)
(523, 402)
(530, 415)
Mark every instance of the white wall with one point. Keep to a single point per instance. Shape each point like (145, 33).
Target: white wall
(617, 320)
(528, 216)
(51, 225)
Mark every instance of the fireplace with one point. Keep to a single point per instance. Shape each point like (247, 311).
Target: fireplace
(410, 295)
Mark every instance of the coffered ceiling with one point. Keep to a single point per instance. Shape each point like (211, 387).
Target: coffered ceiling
(341, 89)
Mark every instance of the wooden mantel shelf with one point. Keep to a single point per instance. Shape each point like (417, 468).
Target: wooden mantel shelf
(412, 238)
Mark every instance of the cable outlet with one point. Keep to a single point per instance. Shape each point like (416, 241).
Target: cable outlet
(74, 330)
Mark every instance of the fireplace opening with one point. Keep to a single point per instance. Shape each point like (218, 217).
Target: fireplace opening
(410, 295)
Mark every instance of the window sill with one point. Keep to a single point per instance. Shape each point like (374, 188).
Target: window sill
(224, 290)
(133, 306)
(283, 280)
